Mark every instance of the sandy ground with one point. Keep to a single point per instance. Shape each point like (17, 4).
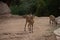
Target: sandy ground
(13, 29)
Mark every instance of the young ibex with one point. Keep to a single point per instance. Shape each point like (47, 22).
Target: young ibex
(52, 20)
(30, 21)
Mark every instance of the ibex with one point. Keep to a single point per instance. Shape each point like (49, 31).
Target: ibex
(30, 21)
(52, 20)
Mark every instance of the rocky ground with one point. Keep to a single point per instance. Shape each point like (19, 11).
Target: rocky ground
(13, 29)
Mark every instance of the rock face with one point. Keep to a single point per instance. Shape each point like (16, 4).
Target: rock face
(4, 10)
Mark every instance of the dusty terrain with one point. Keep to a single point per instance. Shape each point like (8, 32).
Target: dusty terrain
(13, 29)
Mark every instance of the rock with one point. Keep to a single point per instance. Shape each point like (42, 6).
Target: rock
(58, 19)
(4, 10)
(57, 33)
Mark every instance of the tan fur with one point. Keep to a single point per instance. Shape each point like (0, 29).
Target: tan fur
(52, 19)
(30, 21)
